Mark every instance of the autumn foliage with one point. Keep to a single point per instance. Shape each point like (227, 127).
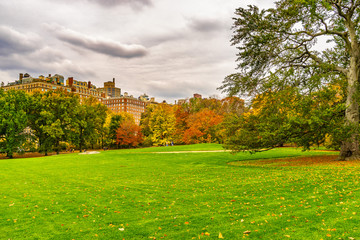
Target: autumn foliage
(203, 126)
(195, 121)
(128, 134)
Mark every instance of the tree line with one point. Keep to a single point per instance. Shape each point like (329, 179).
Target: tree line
(56, 121)
(195, 121)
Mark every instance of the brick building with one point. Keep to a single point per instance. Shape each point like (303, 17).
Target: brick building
(84, 89)
(127, 104)
(109, 95)
(41, 84)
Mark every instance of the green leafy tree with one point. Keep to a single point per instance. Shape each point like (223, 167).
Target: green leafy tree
(13, 121)
(277, 48)
(100, 112)
(58, 112)
(286, 116)
(37, 121)
(145, 124)
(88, 121)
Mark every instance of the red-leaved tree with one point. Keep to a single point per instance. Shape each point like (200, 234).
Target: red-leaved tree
(203, 126)
(128, 134)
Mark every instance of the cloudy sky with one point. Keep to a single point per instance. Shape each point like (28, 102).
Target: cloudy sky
(168, 49)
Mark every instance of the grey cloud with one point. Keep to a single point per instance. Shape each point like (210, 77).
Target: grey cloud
(199, 26)
(206, 25)
(156, 39)
(12, 41)
(107, 47)
(133, 3)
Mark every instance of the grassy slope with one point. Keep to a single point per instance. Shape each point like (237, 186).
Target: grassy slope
(132, 194)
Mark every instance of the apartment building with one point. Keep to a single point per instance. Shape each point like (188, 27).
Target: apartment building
(84, 89)
(109, 95)
(110, 90)
(41, 84)
(128, 104)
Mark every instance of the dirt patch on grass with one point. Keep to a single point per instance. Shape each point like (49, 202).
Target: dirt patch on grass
(297, 162)
(90, 152)
(27, 155)
(33, 155)
(200, 151)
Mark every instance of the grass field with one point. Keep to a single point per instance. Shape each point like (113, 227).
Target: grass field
(155, 194)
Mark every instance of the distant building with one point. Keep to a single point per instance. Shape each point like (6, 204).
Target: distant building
(182, 101)
(109, 95)
(41, 84)
(196, 95)
(129, 104)
(110, 90)
(84, 89)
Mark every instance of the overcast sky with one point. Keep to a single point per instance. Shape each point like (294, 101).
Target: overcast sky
(168, 49)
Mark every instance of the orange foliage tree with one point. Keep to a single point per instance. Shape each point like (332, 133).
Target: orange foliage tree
(195, 121)
(128, 134)
(203, 126)
(200, 120)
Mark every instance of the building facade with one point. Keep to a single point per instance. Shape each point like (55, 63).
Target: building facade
(110, 90)
(41, 84)
(128, 104)
(84, 89)
(109, 95)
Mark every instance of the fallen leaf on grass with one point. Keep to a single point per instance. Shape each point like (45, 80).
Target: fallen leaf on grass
(247, 232)
(220, 235)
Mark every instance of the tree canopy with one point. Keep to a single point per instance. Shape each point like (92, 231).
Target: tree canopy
(13, 121)
(279, 48)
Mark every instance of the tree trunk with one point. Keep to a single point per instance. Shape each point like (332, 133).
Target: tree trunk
(350, 147)
(80, 142)
(57, 147)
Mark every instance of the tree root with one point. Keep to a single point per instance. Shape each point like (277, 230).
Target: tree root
(351, 158)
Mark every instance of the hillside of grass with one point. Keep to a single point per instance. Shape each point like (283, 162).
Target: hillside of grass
(144, 194)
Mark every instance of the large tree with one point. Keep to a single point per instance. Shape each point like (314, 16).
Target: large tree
(13, 121)
(37, 120)
(128, 134)
(203, 126)
(158, 124)
(57, 115)
(279, 47)
(115, 122)
(88, 122)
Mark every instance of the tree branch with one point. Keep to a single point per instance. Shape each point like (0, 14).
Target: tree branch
(319, 61)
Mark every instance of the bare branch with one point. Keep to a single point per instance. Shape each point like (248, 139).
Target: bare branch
(319, 61)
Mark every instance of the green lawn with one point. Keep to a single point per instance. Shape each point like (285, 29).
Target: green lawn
(146, 194)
